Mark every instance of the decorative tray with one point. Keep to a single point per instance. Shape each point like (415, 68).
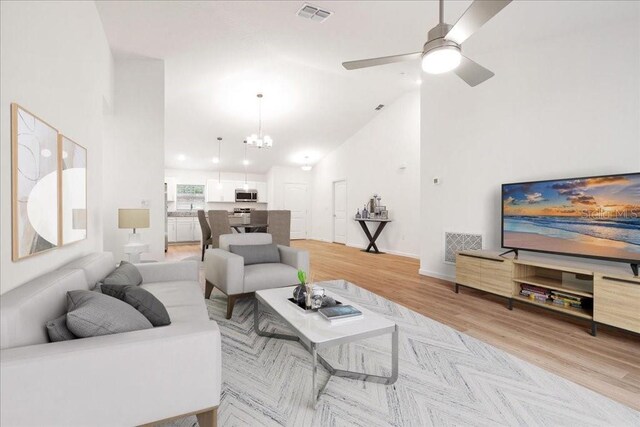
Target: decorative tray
(303, 307)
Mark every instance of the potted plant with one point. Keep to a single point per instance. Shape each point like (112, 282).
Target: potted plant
(302, 292)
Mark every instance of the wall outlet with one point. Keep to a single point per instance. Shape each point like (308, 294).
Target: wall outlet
(144, 203)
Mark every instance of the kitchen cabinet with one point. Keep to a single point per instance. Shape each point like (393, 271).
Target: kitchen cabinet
(262, 191)
(214, 191)
(171, 230)
(184, 229)
(171, 189)
(225, 191)
(197, 231)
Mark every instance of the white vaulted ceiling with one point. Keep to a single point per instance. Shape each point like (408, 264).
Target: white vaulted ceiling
(219, 55)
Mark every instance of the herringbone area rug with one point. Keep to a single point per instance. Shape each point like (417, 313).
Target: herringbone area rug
(446, 378)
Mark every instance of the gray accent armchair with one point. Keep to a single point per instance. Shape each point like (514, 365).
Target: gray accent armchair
(227, 272)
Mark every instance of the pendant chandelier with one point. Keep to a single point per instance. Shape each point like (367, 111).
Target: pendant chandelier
(258, 140)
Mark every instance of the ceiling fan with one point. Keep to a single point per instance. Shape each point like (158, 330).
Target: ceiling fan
(442, 51)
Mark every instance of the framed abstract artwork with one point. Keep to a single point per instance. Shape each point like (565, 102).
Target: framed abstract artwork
(73, 186)
(35, 187)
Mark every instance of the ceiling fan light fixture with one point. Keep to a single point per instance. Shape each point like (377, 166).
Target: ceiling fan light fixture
(441, 59)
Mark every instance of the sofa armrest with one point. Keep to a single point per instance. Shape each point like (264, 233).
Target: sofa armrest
(225, 270)
(296, 258)
(153, 272)
(146, 375)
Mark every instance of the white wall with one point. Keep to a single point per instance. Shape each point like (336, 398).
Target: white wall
(200, 177)
(56, 63)
(277, 179)
(564, 106)
(371, 162)
(134, 153)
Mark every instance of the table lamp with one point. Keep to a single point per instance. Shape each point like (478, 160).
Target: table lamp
(133, 218)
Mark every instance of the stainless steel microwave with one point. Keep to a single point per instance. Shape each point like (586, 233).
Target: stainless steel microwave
(246, 195)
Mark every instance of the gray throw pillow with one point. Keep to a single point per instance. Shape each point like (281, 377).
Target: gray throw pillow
(257, 254)
(91, 314)
(58, 331)
(125, 274)
(142, 300)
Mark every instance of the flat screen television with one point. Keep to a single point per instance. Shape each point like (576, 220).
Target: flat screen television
(595, 217)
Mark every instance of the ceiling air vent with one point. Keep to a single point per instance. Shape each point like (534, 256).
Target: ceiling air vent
(379, 107)
(314, 13)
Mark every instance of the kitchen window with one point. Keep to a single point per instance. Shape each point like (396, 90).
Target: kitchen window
(189, 197)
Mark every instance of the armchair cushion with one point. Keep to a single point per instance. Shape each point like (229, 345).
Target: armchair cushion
(93, 314)
(268, 276)
(142, 300)
(257, 254)
(244, 239)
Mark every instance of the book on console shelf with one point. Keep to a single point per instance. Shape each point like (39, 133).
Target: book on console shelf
(536, 297)
(535, 289)
(535, 293)
(575, 301)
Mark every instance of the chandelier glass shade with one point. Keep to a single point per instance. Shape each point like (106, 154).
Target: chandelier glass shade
(258, 140)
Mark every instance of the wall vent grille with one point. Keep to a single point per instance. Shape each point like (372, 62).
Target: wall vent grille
(456, 242)
(313, 13)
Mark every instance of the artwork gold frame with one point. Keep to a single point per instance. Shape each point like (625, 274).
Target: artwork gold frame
(48, 186)
(72, 182)
(34, 184)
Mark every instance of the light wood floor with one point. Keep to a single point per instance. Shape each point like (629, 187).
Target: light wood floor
(608, 364)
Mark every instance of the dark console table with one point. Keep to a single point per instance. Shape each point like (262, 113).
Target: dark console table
(372, 239)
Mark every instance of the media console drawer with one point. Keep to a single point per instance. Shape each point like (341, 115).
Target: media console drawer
(487, 273)
(617, 301)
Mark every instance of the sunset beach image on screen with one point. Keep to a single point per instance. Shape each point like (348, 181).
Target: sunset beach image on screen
(594, 217)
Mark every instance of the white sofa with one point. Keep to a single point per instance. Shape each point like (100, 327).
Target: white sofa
(126, 379)
(227, 272)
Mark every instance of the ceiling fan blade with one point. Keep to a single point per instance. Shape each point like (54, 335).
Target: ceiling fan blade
(475, 17)
(472, 72)
(363, 63)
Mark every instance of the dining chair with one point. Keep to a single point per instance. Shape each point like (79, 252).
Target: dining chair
(279, 226)
(206, 231)
(219, 223)
(259, 217)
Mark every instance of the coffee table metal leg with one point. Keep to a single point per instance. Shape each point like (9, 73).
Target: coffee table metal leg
(369, 377)
(256, 325)
(314, 372)
(332, 371)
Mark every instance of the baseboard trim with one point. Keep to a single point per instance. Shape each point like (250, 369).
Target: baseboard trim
(388, 251)
(428, 273)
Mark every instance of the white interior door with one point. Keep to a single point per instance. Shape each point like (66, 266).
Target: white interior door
(295, 200)
(340, 212)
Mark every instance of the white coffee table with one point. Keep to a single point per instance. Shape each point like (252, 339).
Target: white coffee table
(315, 333)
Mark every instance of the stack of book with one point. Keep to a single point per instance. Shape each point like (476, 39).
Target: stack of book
(535, 292)
(569, 300)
